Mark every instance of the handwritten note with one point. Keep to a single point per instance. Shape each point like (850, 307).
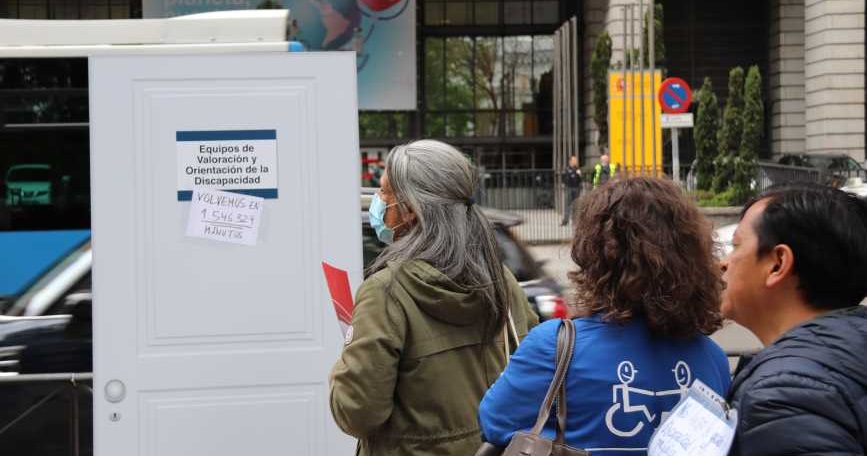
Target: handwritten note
(225, 216)
(698, 425)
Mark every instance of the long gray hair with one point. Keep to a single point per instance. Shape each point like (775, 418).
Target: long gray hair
(437, 182)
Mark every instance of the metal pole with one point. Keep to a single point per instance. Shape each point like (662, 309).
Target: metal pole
(556, 107)
(651, 43)
(74, 423)
(67, 377)
(675, 156)
(632, 80)
(30, 410)
(625, 82)
(576, 89)
(567, 92)
(641, 77)
(557, 115)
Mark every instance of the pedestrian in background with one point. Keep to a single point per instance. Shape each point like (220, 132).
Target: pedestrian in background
(571, 180)
(604, 171)
(429, 331)
(647, 288)
(795, 278)
(376, 170)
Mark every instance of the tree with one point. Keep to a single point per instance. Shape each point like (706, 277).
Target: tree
(729, 137)
(746, 162)
(659, 42)
(599, 64)
(448, 87)
(706, 126)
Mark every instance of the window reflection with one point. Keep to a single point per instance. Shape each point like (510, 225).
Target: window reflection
(44, 165)
(82, 9)
(457, 13)
(489, 86)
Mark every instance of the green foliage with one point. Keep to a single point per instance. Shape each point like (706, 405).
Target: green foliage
(599, 64)
(373, 124)
(730, 132)
(711, 199)
(632, 58)
(706, 127)
(449, 86)
(659, 42)
(746, 163)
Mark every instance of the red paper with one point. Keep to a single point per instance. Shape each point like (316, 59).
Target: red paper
(341, 294)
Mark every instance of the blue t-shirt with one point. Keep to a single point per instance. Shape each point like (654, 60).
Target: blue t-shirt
(621, 383)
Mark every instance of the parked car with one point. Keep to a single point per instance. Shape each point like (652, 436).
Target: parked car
(724, 234)
(835, 168)
(30, 185)
(857, 186)
(838, 162)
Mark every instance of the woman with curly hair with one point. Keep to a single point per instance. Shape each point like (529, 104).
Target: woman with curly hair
(647, 295)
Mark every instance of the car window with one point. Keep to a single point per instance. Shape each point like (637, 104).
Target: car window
(29, 175)
(66, 304)
(820, 162)
(516, 257)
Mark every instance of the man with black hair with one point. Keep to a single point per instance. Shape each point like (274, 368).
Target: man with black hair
(795, 278)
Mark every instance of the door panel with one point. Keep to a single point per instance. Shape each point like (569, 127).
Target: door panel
(220, 348)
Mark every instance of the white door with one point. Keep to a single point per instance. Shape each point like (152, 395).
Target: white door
(215, 348)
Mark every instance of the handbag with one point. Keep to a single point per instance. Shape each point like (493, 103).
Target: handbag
(532, 443)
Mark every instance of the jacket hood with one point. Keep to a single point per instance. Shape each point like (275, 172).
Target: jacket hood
(836, 340)
(437, 295)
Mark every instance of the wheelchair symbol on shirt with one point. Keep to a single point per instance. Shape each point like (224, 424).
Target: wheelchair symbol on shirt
(626, 373)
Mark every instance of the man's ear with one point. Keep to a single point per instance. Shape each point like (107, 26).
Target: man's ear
(782, 262)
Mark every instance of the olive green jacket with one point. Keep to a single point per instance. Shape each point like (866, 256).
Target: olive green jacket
(416, 364)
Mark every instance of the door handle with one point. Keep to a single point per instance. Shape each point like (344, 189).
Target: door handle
(115, 391)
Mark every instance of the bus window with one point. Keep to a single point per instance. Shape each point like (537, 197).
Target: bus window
(44, 148)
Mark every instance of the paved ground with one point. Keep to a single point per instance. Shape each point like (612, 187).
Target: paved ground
(732, 338)
(542, 226)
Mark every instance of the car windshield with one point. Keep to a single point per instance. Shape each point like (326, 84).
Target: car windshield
(68, 274)
(29, 175)
(820, 162)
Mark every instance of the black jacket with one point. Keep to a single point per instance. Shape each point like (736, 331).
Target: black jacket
(572, 177)
(807, 392)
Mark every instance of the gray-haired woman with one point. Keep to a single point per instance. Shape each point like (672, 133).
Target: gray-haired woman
(428, 328)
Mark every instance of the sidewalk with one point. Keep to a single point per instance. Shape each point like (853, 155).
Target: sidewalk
(541, 226)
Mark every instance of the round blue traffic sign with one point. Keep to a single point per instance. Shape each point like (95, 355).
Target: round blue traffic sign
(674, 96)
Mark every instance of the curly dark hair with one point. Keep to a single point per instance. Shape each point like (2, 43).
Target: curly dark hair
(643, 248)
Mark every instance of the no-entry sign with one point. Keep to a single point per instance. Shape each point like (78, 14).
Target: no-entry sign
(674, 96)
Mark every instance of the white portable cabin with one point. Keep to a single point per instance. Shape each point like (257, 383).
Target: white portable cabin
(207, 346)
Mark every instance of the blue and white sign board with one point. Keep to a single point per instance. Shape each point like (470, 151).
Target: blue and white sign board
(240, 161)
